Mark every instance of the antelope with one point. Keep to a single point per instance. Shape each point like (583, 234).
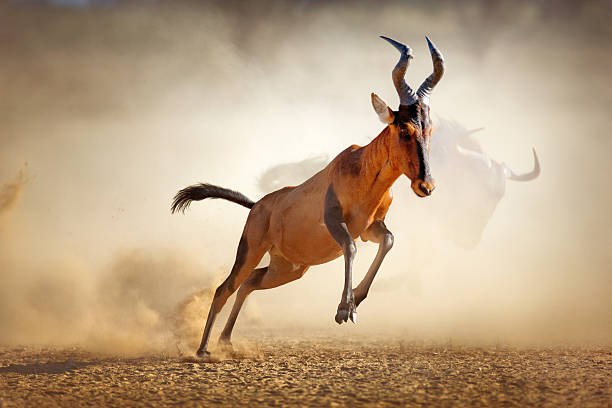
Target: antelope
(320, 219)
(461, 165)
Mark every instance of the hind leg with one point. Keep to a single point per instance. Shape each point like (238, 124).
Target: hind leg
(245, 289)
(246, 259)
(278, 273)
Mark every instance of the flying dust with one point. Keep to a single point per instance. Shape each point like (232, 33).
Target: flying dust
(116, 107)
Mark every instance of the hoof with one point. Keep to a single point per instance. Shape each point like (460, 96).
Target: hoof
(200, 356)
(341, 316)
(225, 345)
(346, 312)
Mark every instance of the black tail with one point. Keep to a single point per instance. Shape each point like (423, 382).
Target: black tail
(198, 192)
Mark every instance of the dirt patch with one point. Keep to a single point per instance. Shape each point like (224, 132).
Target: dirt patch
(313, 372)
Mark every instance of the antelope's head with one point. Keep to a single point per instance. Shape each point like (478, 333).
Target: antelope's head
(410, 126)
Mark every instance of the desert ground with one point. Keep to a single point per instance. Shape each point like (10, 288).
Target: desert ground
(315, 371)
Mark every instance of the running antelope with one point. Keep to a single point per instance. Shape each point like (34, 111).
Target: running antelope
(461, 165)
(320, 219)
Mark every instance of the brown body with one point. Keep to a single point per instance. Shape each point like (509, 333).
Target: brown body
(320, 219)
(361, 176)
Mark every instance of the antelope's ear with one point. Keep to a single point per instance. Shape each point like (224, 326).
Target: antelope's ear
(385, 114)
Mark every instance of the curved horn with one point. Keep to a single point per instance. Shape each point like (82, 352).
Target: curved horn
(438, 70)
(406, 94)
(527, 176)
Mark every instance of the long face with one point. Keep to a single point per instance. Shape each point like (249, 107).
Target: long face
(410, 124)
(411, 130)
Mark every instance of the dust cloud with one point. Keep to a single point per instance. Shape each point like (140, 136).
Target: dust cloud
(116, 107)
(11, 192)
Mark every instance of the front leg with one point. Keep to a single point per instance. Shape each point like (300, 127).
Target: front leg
(377, 232)
(334, 221)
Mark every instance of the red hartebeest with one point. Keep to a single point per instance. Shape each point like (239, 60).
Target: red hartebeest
(320, 219)
(461, 165)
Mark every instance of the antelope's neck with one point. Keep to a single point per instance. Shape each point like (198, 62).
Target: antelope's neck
(378, 169)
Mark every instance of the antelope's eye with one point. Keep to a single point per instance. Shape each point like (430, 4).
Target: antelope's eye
(404, 133)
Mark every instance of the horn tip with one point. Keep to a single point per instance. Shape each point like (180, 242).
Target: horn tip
(432, 47)
(403, 48)
(389, 40)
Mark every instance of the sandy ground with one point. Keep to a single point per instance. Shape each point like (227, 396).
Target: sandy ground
(313, 372)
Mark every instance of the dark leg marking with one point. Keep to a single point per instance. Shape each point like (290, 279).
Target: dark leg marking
(253, 281)
(334, 221)
(222, 293)
(241, 252)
